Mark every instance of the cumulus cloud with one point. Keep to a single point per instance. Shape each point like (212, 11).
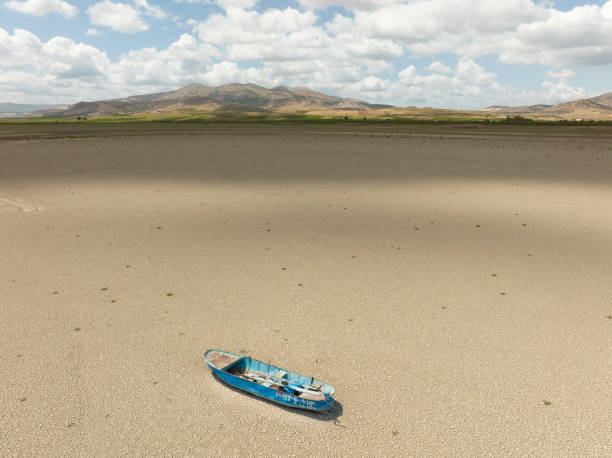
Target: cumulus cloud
(183, 61)
(66, 71)
(606, 10)
(59, 56)
(561, 74)
(348, 4)
(120, 17)
(469, 84)
(430, 21)
(255, 27)
(42, 7)
(236, 3)
(124, 17)
(227, 72)
(280, 39)
(577, 37)
(561, 91)
(439, 67)
(366, 52)
(520, 32)
(49, 70)
(467, 74)
(225, 4)
(150, 10)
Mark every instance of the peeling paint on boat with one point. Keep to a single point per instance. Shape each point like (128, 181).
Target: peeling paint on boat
(229, 367)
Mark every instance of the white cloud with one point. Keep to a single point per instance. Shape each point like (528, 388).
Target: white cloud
(225, 4)
(471, 86)
(42, 7)
(62, 70)
(352, 55)
(150, 10)
(348, 4)
(271, 36)
(183, 61)
(357, 52)
(443, 23)
(93, 33)
(517, 31)
(577, 37)
(439, 67)
(606, 10)
(121, 17)
(470, 72)
(59, 56)
(561, 92)
(59, 69)
(281, 38)
(229, 72)
(561, 74)
(255, 27)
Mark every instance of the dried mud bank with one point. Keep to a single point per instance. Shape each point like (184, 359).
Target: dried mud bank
(455, 291)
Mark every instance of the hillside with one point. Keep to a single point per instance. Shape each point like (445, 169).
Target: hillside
(516, 110)
(233, 100)
(229, 97)
(596, 108)
(584, 107)
(604, 99)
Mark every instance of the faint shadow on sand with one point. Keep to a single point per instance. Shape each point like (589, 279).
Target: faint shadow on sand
(332, 415)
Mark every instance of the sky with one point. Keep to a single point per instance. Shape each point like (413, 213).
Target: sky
(442, 53)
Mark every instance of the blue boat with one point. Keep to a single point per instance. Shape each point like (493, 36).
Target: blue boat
(270, 382)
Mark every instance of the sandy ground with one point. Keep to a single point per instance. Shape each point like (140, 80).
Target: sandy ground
(455, 290)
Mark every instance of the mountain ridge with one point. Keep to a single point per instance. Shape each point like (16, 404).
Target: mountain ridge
(282, 100)
(603, 99)
(598, 107)
(246, 97)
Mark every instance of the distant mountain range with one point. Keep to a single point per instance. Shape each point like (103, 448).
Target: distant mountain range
(233, 99)
(517, 110)
(18, 109)
(229, 97)
(596, 108)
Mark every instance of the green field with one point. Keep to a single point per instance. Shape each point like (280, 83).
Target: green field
(194, 123)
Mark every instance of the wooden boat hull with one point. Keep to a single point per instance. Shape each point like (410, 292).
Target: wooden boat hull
(228, 367)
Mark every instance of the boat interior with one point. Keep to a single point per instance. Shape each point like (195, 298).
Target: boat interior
(269, 376)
